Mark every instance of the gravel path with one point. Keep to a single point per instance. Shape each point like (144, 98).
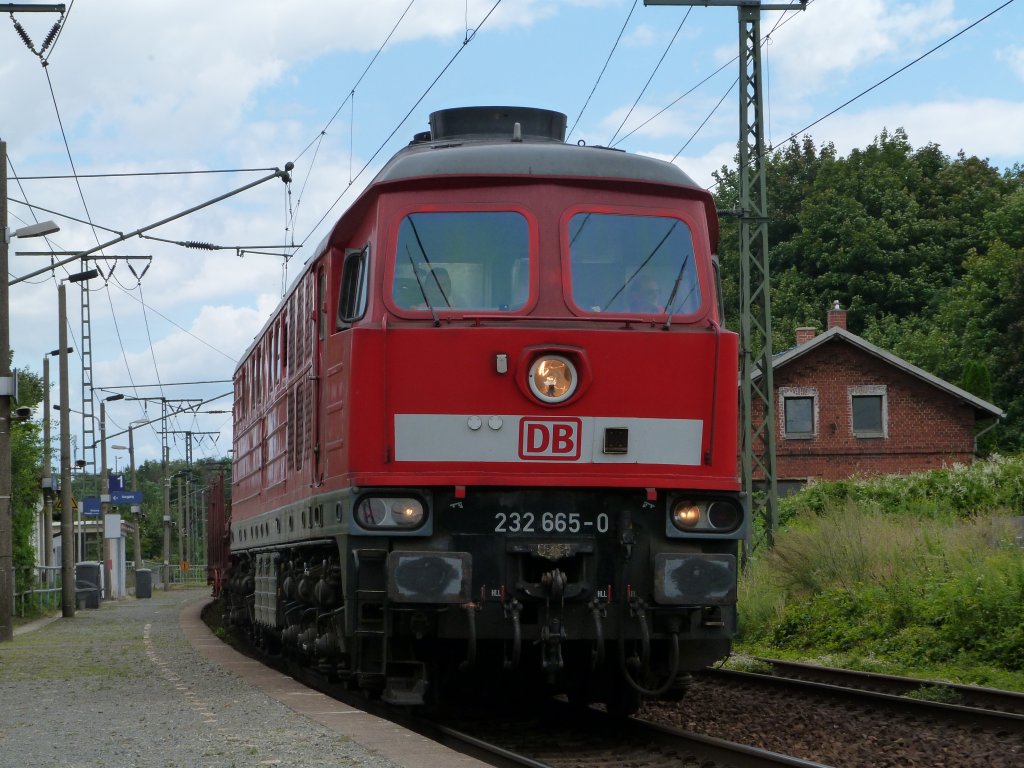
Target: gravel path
(121, 686)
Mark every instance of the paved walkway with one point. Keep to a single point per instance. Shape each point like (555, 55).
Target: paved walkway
(145, 683)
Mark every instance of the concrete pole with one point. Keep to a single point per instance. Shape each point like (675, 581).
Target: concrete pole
(181, 537)
(167, 531)
(104, 544)
(47, 537)
(6, 521)
(67, 533)
(136, 508)
(188, 530)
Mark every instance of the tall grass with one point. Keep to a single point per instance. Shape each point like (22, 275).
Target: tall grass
(919, 571)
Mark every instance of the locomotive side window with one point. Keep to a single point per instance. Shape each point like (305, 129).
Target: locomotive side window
(462, 260)
(632, 264)
(352, 297)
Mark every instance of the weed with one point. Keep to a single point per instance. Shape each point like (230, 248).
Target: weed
(936, 693)
(912, 572)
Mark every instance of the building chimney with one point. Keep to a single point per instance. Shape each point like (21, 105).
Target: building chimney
(836, 317)
(804, 334)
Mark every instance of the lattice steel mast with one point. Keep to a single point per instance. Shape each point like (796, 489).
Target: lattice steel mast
(757, 424)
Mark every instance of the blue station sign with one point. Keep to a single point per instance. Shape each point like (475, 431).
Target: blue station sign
(126, 497)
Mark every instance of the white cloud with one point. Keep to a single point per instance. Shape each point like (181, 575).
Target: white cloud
(835, 37)
(988, 128)
(701, 167)
(1014, 56)
(640, 37)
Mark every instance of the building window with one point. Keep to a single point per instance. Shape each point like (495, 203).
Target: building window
(799, 412)
(869, 411)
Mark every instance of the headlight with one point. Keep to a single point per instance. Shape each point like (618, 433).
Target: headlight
(705, 516)
(378, 513)
(552, 378)
(686, 515)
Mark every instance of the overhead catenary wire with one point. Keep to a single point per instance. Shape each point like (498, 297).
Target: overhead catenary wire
(402, 122)
(782, 20)
(350, 98)
(600, 75)
(706, 119)
(359, 80)
(136, 233)
(899, 71)
(653, 73)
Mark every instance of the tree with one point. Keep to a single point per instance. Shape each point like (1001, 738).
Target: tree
(924, 250)
(26, 450)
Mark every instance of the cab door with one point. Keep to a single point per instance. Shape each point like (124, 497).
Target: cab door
(350, 268)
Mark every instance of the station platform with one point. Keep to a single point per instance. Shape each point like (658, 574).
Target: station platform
(144, 682)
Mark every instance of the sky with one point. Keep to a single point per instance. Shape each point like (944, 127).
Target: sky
(204, 98)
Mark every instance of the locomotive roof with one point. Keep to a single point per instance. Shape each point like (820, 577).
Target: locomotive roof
(517, 141)
(490, 156)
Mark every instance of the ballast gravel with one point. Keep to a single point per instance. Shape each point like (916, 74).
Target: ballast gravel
(122, 686)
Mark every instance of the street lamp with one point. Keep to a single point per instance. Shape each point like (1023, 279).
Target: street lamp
(8, 390)
(117, 457)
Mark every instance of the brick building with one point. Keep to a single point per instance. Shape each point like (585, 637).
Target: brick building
(846, 407)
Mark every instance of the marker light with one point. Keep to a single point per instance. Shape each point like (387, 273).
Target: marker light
(407, 513)
(381, 513)
(552, 378)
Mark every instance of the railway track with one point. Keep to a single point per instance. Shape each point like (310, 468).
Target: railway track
(928, 700)
(568, 736)
(554, 734)
(737, 720)
(852, 727)
(973, 696)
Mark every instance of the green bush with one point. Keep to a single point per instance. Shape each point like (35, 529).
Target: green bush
(917, 571)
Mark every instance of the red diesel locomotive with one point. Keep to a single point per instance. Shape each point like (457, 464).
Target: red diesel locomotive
(488, 439)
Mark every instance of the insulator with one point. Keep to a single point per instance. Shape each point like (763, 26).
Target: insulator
(50, 37)
(24, 36)
(200, 246)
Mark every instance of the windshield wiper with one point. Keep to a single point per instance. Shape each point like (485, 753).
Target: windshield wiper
(423, 290)
(675, 290)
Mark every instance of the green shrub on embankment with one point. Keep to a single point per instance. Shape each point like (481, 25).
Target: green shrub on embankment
(921, 574)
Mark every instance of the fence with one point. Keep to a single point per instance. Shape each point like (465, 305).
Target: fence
(37, 589)
(193, 576)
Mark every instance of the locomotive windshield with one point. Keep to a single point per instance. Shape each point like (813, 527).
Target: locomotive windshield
(463, 260)
(632, 264)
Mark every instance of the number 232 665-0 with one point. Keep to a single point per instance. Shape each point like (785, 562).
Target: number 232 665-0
(549, 522)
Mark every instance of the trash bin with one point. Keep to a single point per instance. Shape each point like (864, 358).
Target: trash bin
(88, 581)
(143, 582)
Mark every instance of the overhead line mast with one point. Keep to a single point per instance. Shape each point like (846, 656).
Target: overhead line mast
(757, 426)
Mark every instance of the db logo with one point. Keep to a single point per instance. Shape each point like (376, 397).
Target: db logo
(549, 439)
